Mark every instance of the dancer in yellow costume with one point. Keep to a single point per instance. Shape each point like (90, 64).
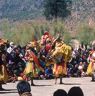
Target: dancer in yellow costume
(3, 71)
(30, 69)
(91, 66)
(62, 55)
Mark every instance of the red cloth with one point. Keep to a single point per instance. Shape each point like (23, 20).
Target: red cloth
(36, 60)
(48, 47)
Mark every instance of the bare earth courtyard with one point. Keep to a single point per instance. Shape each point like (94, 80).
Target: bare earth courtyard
(47, 87)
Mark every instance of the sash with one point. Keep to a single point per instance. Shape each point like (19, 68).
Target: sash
(36, 61)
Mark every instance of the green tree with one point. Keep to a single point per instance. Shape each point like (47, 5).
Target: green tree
(56, 8)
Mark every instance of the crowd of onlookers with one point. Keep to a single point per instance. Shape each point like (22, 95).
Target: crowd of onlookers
(78, 65)
(16, 61)
(17, 57)
(24, 89)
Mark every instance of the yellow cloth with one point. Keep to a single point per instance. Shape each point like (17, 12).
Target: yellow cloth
(48, 63)
(20, 78)
(3, 74)
(89, 69)
(29, 68)
(65, 50)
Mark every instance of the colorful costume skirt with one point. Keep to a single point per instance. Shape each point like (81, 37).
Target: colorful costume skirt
(60, 70)
(30, 69)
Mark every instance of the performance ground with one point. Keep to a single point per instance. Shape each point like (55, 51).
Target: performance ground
(47, 87)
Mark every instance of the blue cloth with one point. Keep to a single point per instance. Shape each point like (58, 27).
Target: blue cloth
(48, 72)
(42, 63)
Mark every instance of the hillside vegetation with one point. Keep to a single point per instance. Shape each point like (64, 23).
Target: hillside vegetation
(23, 21)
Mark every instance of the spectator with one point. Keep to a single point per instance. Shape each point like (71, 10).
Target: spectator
(24, 88)
(60, 92)
(75, 91)
(80, 69)
(48, 73)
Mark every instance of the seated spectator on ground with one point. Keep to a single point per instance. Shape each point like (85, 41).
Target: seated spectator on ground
(80, 68)
(48, 72)
(24, 88)
(60, 92)
(75, 91)
(41, 75)
(75, 71)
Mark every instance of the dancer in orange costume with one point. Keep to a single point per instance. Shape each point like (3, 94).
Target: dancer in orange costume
(61, 55)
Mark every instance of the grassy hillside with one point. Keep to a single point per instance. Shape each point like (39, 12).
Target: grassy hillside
(25, 31)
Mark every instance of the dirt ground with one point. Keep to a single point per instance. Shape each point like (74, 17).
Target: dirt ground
(47, 87)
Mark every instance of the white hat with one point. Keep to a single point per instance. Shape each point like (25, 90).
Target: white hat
(11, 43)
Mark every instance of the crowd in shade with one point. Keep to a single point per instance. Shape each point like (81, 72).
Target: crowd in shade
(24, 89)
(46, 58)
